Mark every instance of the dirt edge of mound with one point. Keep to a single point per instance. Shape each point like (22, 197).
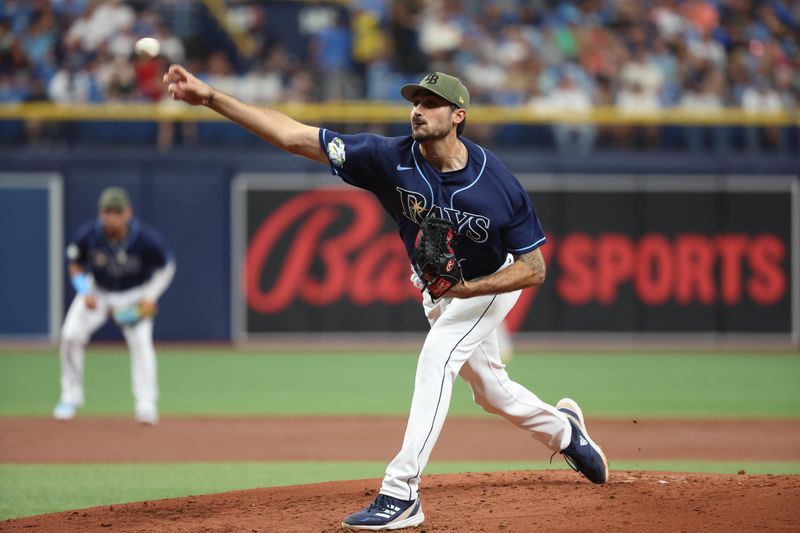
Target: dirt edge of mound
(479, 502)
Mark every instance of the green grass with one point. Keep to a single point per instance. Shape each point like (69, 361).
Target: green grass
(35, 489)
(231, 383)
(228, 382)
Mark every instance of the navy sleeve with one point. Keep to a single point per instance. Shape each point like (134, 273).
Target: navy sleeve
(78, 249)
(354, 158)
(158, 251)
(524, 232)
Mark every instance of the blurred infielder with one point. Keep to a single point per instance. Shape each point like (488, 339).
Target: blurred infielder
(434, 173)
(118, 267)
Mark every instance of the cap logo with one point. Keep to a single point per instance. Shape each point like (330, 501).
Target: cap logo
(460, 99)
(431, 79)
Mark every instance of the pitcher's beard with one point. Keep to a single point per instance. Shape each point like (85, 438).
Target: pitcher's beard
(428, 136)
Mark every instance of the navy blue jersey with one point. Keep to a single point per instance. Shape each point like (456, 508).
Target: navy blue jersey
(487, 205)
(118, 267)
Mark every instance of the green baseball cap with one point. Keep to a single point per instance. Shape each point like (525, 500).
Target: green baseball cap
(114, 198)
(448, 87)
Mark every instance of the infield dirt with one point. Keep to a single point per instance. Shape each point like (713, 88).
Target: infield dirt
(481, 502)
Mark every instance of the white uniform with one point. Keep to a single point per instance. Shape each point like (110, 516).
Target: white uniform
(119, 276)
(79, 325)
(469, 348)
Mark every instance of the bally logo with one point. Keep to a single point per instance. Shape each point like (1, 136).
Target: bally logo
(305, 247)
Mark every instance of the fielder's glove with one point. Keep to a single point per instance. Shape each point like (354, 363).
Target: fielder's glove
(435, 258)
(131, 315)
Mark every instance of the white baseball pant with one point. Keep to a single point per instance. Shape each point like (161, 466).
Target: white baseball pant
(79, 325)
(463, 341)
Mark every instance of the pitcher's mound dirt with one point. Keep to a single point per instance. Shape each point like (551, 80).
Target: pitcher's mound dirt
(490, 502)
(506, 502)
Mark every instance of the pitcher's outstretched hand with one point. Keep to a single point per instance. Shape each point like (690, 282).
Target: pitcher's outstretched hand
(183, 85)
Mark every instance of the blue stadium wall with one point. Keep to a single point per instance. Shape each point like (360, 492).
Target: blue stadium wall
(187, 195)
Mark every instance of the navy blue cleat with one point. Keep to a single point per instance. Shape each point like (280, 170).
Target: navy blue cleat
(582, 454)
(386, 513)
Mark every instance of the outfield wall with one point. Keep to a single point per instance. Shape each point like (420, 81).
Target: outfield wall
(633, 249)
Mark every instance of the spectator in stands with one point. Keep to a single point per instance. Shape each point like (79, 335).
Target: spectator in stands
(263, 83)
(703, 96)
(633, 99)
(68, 9)
(761, 98)
(301, 87)
(18, 13)
(666, 18)
(641, 83)
(117, 79)
(485, 78)
(7, 39)
(9, 92)
(219, 72)
(702, 15)
(73, 84)
(332, 58)
(369, 40)
(572, 138)
(172, 48)
(40, 36)
(439, 33)
(37, 131)
(13, 60)
(362, 48)
(641, 72)
(706, 48)
(100, 21)
(408, 58)
(120, 43)
(148, 70)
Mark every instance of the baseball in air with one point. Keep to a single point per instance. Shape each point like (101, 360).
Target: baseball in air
(147, 47)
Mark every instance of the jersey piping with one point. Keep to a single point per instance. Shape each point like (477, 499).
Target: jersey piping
(325, 142)
(483, 166)
(530, 246)
(422, 174)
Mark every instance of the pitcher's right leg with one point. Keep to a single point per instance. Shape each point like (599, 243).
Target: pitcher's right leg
(493, 389)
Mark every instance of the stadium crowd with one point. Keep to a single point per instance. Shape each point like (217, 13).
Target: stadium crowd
(570, 55)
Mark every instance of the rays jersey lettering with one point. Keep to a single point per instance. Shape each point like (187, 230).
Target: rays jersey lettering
(475, 227)
(484, 201)
(119, 267)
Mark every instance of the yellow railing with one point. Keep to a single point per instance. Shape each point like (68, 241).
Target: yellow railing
(382, 113)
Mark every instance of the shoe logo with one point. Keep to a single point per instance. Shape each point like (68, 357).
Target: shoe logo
(401, 167)
(582, 441)
(389, 511)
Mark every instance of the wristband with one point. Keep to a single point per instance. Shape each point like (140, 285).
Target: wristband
(81, 283)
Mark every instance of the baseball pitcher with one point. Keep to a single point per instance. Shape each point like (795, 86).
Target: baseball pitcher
(119, 267)
(472, 238)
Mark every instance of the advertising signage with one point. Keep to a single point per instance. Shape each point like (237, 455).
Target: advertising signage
(644, 255)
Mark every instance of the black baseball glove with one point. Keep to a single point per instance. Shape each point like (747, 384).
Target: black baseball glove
(435, 257)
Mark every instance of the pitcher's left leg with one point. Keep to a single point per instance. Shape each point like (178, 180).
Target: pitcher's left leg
(462, 326)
